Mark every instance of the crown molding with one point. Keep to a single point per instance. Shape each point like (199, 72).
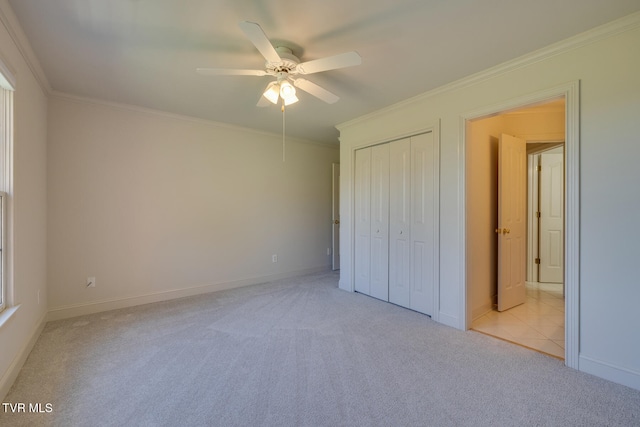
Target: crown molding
(10, 21)
(179, 117)
(593, 35)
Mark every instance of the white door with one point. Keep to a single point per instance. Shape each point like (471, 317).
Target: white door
(400, 222)
(423, 219)
(335, 218)
(551, 268)
(512, 193)
(362, 213)
(380, 222)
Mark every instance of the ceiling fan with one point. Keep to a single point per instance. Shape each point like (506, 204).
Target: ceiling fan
(282, 64)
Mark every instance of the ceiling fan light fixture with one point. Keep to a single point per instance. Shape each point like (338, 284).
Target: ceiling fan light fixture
(285, 66)
(272, 93)
(287, 90)
(292, 99)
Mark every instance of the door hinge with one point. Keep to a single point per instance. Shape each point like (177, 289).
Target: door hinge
(537, 260)
(538, 214)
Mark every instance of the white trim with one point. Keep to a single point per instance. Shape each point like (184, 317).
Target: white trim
(571, 93)
(3, 254)
(434, 129)
(7, 77)
(464, 320)
(6, 188)
(532, 223)
(352, 153)
(180, 117)
(532, 200)
(572, 224)
(74, 310)
(436, 222)
(448, 320)
(7, 314)
(14, 368)
(590, 36)
(610, 372)
(12, 24)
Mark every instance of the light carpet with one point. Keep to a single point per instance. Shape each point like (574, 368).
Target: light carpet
(297, 352)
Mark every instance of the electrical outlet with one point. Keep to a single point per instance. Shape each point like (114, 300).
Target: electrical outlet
(91, 282)
(274, 258)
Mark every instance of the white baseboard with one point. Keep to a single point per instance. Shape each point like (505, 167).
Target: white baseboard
(609, 372)
(66, 312)
(12, 372)
(449, 320)
(342, 284)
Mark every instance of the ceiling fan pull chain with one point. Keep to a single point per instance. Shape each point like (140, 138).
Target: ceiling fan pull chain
(283, 128)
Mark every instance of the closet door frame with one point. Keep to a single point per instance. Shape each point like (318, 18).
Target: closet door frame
(435, 130)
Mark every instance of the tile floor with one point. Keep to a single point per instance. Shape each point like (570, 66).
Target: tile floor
(537, 324)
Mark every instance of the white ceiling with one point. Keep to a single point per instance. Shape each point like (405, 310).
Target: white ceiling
(144, 52)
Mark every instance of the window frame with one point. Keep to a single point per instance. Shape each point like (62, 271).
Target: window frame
(7, 88)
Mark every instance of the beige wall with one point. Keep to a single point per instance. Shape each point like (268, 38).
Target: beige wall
(606, 68)
(157, 206)
(482, 211)
(28, 211)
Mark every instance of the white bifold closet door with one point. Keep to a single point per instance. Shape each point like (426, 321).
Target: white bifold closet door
(362, 214)
(395, 222)
(380, 222)
(400, 224)
(372, 221)
(424, 241)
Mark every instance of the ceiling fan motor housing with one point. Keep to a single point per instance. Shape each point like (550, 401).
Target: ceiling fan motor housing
(287, 64)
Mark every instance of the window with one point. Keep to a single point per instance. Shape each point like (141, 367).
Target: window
(3, 221)
(7, 85)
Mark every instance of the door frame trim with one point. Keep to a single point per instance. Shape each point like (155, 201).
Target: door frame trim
(532, 196)
(571, 92)
(335, 191)
(434, 129)
(533, 223)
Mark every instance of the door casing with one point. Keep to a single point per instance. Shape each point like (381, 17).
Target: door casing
(571, 93)
(335, 216)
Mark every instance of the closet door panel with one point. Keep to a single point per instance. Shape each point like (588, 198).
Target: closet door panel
(400, 222)
(362, 262)
(423, 217)
(380, 222)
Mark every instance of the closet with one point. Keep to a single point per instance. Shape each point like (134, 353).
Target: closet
(396, 213)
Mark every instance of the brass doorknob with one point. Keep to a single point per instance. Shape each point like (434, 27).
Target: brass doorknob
(499, 230)
(336, 221)
(506, 231)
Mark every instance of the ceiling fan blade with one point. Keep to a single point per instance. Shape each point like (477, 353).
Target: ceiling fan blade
(347, 59)
(316, 91)
(229, 72)
(260, 40)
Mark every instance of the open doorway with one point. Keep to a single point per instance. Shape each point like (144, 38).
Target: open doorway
(537, 320)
